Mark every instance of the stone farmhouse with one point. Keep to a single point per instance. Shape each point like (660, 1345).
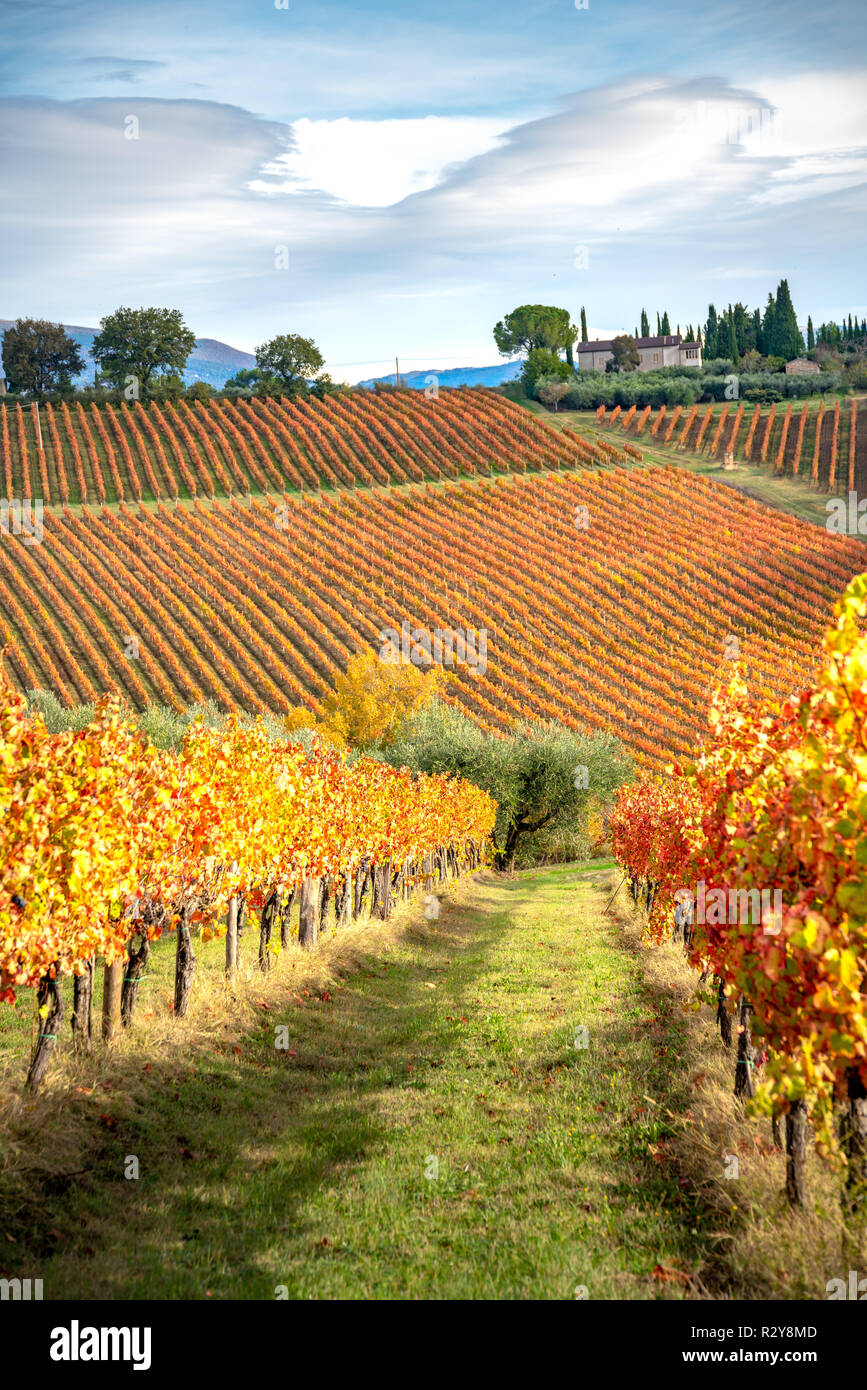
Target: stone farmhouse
(801, 366)
(670, 350)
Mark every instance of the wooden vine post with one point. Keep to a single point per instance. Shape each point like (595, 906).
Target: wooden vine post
(112, 989)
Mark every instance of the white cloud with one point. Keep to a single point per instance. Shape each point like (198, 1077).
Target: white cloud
(417, 235)
(376, 163)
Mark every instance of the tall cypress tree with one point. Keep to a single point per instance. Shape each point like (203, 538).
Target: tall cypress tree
(584, 337)
(786, 338)
(740, 317)
(757, 330)
(732, 338)
(811, 337)
(658, 326)
(768, 329)
(665, 326)
(645, 324)
(690, 336)
(711, 333)
(849, 332)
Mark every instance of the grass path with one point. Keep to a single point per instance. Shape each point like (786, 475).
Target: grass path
(430, 1129)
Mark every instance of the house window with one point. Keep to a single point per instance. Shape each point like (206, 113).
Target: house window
(656, 357)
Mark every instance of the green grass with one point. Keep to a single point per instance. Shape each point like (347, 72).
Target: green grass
(311, 1167)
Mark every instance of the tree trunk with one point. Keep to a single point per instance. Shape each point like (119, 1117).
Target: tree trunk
(796, 1154)
(185, 964)
(232, 938)
(744, 1079)
(112, 989)
(308, 929)
(48, 993)
(776, 1133)
(324, 901)
(286, 905)
(344, 910)
(266, 923)
(82, 1004)
(853, 1139)
(385, 890)
(360, 881)
(724, 1018)
(136, 965)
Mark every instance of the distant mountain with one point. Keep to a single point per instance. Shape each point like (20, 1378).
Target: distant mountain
(210, 360)
(453, 376)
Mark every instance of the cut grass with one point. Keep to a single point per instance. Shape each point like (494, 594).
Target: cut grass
(429, 1130)
(312, 1167)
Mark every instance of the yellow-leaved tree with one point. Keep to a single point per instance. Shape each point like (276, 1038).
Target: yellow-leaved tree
(371, 701)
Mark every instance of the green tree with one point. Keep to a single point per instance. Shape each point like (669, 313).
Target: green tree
(135, 345)
(711, 346)
(39, 356)
(690, 336)
(545, 778)
(769, 327)
(542, 363)
(584, 336)
(732, 343)
(645, 324)
(811, 336)
(534, 326)
(243, 380)
(786, 340)
(756, 330)
(290, 359)
(665, 326)
(742, 328)
(658, 324)
(625, 356)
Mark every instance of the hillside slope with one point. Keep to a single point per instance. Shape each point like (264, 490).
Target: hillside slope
(608, 599)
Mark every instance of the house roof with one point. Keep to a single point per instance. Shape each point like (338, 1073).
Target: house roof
(605, 344)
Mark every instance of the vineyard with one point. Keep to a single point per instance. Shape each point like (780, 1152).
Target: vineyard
(609, 599)
(107, 842)
(775, 800)
(135, 452)
(825, 445)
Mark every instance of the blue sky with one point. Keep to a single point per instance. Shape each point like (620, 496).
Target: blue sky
(394, 178)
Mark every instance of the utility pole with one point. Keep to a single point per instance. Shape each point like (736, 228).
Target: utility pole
(396, 373)
(38, 427)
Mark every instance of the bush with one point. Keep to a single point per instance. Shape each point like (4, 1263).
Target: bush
(531, 774)
(541, 363)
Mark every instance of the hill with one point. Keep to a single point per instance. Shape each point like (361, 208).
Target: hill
(210, 360)
(137, 452)
(606, 599)
(452, 376)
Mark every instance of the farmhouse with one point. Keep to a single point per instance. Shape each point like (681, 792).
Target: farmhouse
(669, 350)
(801, 366)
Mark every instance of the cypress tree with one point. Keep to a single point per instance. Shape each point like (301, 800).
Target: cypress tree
(811, 337)
(584, 337)
(757, 330)
(658, 325)
(665, 326)
(732, 338)
(768, 330)
(711, 333)
(741, 325)
(645, 324)
(786, 338)
(849, 333)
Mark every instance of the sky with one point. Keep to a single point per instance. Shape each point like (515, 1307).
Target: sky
(393, 178)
